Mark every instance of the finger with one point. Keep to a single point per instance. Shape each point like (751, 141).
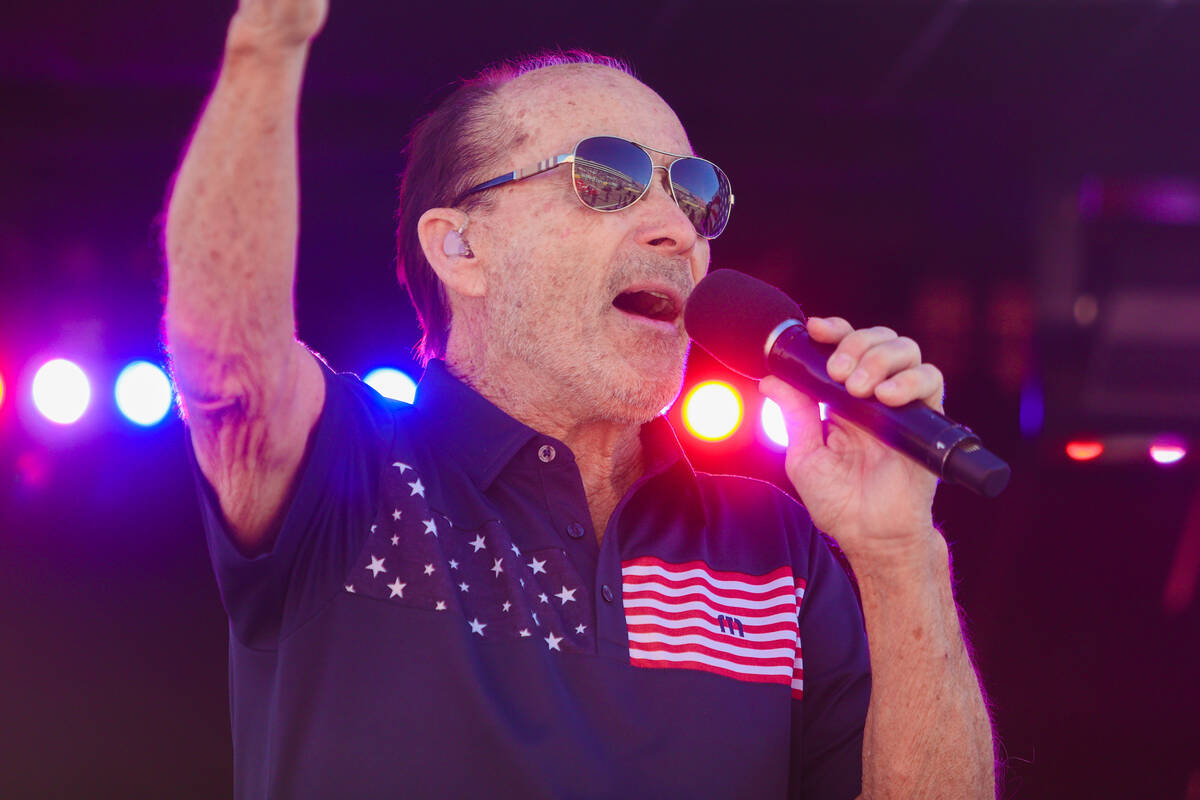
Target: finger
(828, 330)
(923, 382)
(850, 350)
(881, 361)
(801, 415)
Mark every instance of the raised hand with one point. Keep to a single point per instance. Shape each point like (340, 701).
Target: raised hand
(278, 23)
(870, 498)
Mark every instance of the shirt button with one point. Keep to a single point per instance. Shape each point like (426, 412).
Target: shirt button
(606, 593)
(575, 530)
(546, 453)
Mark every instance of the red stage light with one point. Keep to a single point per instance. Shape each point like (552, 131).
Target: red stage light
(712, 411)
(1084, 451)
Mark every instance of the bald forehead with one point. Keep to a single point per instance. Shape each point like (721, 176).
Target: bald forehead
(554, 107)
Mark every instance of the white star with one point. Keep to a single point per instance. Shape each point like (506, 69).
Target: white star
(522, 581)
(525, 632)
(566, 595)
(543, 598)
(453, 564)
(464, 587)
(580, 628)
(497, 568)
(397, 588)
(395, 540)
(507, 605)
(536, 621)
(477, 543)
(376, 566)
(441, 606)
(538, 566)
(552, 642)
(431, 527)
(477, 626)
(417, 488)
(401, 466)
(373, 527)
(429, 569)
(515, 550)
(350, 589)
(396, 514)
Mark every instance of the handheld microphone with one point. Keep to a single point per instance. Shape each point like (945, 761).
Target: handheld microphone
(755, 329)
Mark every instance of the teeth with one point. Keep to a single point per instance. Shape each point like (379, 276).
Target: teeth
(659, 295)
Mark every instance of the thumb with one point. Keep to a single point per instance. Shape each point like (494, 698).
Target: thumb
(801, 415)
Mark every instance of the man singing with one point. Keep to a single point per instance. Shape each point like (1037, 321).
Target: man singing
(518, 586)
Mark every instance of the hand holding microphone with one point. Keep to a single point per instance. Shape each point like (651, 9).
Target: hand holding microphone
(857, 478)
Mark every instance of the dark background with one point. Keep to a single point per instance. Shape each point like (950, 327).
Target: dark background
(892, 163)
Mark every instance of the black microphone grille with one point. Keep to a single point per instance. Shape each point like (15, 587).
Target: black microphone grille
(731, 314)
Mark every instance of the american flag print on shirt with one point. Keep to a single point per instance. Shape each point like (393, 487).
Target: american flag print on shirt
(414, 556)
(691, 616)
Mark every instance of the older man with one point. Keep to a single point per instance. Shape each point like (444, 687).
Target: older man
(518, 585)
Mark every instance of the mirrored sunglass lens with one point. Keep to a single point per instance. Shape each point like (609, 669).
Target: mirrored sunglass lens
(610, 173)
(702, 192)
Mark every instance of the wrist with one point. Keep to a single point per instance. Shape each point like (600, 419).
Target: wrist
(898, 557)
(246, 38)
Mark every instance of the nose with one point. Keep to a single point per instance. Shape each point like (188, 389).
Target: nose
(663, 226)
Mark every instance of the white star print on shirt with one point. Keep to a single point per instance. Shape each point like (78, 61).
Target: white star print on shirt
(477, 543)
(453, 564)
(497, 568)
(515, 550)
(552, 642)
(566, 595)
(543, 598)
(431, 527)
(397, 588)
(395, 540)
(395, 515)
(417, 488)
(580, 628)
(400, 465)
(376, 566)
(538, 566)
(464, 587)
(429, 569)
(525, 632)
(350, 588)
(477, 626)
(507, 605)
(441, 606)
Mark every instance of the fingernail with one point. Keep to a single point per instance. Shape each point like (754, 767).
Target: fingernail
(857, 380)
(839, 363)
(889, 386)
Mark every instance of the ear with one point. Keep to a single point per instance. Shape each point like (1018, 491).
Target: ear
(449, 253)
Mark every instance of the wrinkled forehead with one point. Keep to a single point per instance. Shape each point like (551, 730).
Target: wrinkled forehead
(555, 107)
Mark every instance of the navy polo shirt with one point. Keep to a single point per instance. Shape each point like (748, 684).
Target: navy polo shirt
(437, 619)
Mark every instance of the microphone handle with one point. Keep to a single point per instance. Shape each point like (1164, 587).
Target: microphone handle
(947, 449)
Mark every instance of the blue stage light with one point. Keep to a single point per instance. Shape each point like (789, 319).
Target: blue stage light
(143, 393)
(392, 383)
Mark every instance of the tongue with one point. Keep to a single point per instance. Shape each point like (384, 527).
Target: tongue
(645, 304)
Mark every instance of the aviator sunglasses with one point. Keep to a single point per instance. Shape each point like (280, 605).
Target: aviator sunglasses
(610, 174)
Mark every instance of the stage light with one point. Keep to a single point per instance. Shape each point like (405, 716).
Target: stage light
(143, 393)
(772, 423)
(1, 391)
(1166, 452)
(1084, 451)
(61, 391)
(712, 411)
(392, 383)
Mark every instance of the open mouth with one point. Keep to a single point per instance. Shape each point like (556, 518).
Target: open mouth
(649, 303)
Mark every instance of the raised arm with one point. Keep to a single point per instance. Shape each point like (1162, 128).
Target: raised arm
(251, 392)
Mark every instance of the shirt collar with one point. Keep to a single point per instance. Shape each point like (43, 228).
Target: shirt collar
(484, 439)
